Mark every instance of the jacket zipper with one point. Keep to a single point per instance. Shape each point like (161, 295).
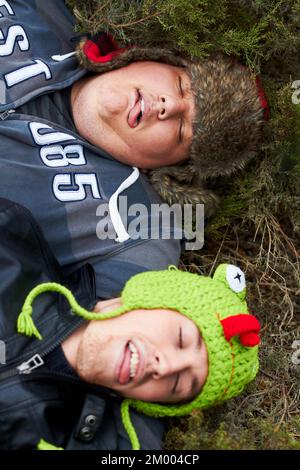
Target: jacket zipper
(28, 366)
(4, 115)
(35, 361)
(25, 368)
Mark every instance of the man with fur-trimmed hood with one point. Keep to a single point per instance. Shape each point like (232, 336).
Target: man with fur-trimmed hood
(221, 112)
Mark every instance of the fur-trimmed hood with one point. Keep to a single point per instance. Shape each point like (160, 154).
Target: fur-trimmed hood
(227, 126)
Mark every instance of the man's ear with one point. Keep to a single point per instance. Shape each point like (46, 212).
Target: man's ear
(104, 306)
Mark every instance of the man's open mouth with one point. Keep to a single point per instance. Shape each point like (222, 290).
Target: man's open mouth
(130, 365)
(136, 113)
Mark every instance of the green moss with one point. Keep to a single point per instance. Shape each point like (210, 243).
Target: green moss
(206, 432)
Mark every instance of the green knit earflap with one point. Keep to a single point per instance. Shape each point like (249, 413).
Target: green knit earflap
(127, 423)
(218, 308)
(25, 323)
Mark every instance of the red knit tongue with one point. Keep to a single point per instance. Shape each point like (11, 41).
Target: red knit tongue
(244, 325)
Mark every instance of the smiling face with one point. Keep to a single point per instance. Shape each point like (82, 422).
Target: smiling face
(141, 114)
(169, 363)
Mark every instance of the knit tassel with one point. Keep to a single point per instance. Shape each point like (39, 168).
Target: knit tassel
(25, 324)
(44, 445)
(128, 425)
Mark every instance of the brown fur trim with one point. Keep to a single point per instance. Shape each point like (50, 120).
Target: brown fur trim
(227, 125)
(179, 185)
(229, 118)
(133, 54)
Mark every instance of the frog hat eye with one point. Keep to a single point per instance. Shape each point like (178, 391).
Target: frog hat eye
(235, 278)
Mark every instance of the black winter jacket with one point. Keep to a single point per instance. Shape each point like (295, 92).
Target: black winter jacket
(58, 408)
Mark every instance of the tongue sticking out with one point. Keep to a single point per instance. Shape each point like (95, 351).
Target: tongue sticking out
(133, 115)
(125, 368)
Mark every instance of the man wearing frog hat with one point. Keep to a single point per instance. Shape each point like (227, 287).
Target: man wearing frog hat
(82, 379)
(172, 343)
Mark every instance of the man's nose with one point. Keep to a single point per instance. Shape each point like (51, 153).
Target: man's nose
(165, 365)
(169, 106)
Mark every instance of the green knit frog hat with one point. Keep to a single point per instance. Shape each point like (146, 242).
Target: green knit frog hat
(216, 305)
